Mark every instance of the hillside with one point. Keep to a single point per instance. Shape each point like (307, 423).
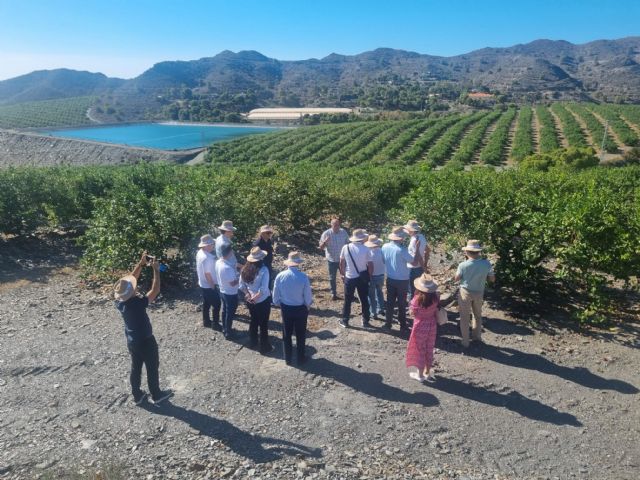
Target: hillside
(55, 84)
(206, 89)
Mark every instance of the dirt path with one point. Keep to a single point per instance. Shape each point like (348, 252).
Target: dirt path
(535, 130)
(512, 134)
(559, 131)
(632, 125)
(91, 117)
(585, 130)
(527, 404)
(610, 131)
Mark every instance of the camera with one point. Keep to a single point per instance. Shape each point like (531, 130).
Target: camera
(149, 259)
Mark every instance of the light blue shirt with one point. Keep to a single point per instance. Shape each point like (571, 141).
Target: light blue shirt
(396, 258)
(473, 274)
(260, 284)
(378, 261)
(293, 288)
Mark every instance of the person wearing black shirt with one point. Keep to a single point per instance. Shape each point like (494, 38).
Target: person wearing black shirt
(265, 243)
(141, 343)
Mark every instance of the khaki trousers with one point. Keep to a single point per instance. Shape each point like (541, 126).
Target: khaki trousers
(468, 302)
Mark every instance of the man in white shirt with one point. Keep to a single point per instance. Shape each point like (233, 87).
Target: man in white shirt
(206, 268)
(227, 278)
(413, 228)
(332, 241)
(356, 265)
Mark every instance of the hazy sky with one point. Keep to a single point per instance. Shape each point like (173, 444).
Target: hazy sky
(125, 37)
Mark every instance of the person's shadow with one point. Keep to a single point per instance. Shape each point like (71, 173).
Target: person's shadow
(513, 401)
(257, 448)
(368, 383)
(580, 375)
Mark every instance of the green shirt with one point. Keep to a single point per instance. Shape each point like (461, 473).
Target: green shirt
(473, 274)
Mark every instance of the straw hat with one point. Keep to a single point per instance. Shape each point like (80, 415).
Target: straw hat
(473, 246)
(412, 226)
(293, 260)
(425, 283)
(125, 288)
(373, 242)
(227, 226)
(266, 229)
(256, 255)
(206, 240)
(358, 235)
(397, 233)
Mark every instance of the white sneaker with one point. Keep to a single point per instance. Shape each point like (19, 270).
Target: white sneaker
(416, 376)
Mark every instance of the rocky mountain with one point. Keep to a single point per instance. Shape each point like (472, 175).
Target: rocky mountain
(60, 83)
(605, 70)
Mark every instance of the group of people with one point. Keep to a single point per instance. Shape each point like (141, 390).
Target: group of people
(363, 262)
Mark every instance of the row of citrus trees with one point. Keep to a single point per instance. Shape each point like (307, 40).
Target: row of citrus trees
(581, 226)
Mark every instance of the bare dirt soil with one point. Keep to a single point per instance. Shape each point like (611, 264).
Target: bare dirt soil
(532, 402)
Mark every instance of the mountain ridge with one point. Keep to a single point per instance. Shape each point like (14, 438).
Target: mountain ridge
(544, 69)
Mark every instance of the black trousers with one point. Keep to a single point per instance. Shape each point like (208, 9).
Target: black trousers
(144, 352)
(294, 319)
(397, 296)
(259, 321)
(351, 285)
(211, 299)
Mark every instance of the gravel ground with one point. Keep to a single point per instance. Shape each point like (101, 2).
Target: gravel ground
(530, 403)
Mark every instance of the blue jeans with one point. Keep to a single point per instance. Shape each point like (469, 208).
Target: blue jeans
(376, 297)
(211, 299)
(229, 307)
(414, 273)
(333, 272)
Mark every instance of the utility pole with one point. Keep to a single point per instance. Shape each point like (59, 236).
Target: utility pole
(604, 137)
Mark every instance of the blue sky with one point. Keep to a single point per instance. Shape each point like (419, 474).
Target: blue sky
(125, 37)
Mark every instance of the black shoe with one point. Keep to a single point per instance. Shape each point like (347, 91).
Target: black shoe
(139, 400)
(216, 326)
(207, 324)
(387, 326)
(162, 396)
(344, 323)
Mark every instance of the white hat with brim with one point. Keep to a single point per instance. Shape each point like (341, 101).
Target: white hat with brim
(293, 260)
(359, 235)
(256, 255)
(412, 226)
(373, 242)
(472, 246)
(398, 234)
(266, 229)
(125, 288)
(227, 226)
(425, 284)
(206, 240)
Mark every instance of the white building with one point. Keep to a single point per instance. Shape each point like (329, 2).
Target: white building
(263, 114)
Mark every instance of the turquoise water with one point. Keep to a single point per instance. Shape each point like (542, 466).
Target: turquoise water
(161, 136)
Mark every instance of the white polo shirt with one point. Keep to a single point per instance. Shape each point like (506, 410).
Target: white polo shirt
(361, 256)
(205, 263)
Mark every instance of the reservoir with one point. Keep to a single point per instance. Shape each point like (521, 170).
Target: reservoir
(162, 136)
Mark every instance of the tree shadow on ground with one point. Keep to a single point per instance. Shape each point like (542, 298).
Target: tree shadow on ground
(371, 384)
(530, 361)
(513, 401)
(257, 448)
